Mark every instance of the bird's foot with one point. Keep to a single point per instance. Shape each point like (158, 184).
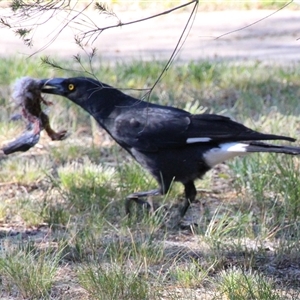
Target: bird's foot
(182, 225)
(145, 204)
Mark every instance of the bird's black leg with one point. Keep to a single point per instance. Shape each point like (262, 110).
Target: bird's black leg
(136, 198)
(190, 195)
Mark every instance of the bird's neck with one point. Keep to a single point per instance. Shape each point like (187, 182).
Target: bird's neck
(107, 102)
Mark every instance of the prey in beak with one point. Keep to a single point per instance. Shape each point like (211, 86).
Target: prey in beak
(52, 86)
(27, 96)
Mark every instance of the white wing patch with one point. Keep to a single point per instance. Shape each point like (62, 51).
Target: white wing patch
(224, 152)
(198, 140)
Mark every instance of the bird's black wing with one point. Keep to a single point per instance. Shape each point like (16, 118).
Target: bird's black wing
(223, 129)
(150, 129)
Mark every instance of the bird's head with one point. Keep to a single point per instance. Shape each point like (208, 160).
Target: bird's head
(97, 98)
(77, 89)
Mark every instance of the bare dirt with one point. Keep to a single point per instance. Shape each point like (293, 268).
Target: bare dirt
(214, 35)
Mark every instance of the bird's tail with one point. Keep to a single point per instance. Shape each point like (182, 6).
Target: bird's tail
(264, 147)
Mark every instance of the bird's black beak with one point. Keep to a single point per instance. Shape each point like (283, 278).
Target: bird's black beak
(52, 86)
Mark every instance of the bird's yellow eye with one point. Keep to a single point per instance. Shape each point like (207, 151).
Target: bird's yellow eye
(71, 87)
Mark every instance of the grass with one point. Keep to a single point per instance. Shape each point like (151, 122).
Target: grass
(63, 230)
(28, 272)
(238, 285)
(114, 282)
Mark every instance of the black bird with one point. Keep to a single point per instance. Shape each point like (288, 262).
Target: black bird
(170, 143)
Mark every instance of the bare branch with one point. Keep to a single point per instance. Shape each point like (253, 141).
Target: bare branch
(99, 30)
(254, 23)
(176, 49)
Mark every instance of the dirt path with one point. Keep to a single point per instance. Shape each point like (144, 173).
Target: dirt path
(275, 38)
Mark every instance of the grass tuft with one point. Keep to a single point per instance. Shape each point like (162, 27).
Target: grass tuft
(31, 273)
(114, 282)
(238, 285)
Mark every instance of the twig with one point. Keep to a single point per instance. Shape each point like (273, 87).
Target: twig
(175, 51)
(254, 23)
(120, 24)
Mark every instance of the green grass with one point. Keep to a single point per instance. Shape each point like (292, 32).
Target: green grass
(237, 285)
(114, 282)
(62, 203)
(29, 272)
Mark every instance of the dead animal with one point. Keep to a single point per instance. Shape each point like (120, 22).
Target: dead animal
(27, 95)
